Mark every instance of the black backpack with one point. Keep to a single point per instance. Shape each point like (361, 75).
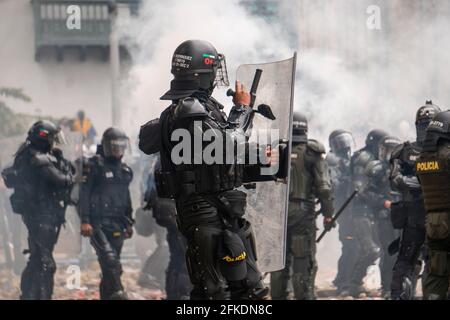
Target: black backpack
(14, 179)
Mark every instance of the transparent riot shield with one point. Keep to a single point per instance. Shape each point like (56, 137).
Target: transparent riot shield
(267, 205)
(68, 246)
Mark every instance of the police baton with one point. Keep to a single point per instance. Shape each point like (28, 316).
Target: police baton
(336, 216)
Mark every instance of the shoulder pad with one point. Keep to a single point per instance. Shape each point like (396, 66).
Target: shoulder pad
(362, 157)
(316, 146)
(190, 107)
(128, 171)
(126, 168)
(150, 135)
(374, 168)
(41, 160)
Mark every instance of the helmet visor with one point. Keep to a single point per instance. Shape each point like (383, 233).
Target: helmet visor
(116, 148)
(386, 147)
(60, 138)
(385, 152)
(343, 141)
(221, 79)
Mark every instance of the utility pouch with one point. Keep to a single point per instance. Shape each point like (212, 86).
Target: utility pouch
(437, 225)
(234, 203)
(19, 204)
(10, 177)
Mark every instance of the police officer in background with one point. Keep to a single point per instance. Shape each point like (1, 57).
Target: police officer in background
(42, 179)
(380, 197)
(363, 215)
(341, 143)
(221, 255)
(433, 170)
(105, 209)
(409, 214)
(310, 180)
(178, 285)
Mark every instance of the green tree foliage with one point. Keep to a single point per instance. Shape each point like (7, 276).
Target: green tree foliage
(11, 123)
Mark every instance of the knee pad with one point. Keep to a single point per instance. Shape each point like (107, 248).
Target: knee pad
(301, 278)
(372, 254)
(48, 264)
(112, 261)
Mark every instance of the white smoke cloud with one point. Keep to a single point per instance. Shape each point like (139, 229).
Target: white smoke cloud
(163, 26)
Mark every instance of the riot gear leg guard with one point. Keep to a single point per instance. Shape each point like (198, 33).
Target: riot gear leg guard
(436, 284)
(37, 278)
(178, 285)
(305, 266)
(108, 250)
(252, 287)
(279, 280)
(386, 236)
(405, 269)
(368, 253)
(202, 264)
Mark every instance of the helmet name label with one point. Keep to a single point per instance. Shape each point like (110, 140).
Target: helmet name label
(181, 61)
(436, 124)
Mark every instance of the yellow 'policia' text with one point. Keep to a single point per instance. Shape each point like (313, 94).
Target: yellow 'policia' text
(427, 166)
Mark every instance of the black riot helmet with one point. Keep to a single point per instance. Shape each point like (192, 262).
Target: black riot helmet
(43, 134)
(196, 66)
(373, 139)
(386, 146)
(114, 143)
(423, 117)
(438, 129)
(299, 128)
(341, 143)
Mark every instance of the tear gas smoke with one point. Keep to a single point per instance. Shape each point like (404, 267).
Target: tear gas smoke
(348, 76)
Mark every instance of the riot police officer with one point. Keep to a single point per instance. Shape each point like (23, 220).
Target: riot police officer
(42, 179)
(380, 197)
(310, 180)
(221, 257)
(362, 215)
(105, 209)
(178, 285)
(433, 170)
(341, 143)
(409, 214)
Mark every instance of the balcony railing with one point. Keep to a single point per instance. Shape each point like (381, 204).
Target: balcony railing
(51, 19)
